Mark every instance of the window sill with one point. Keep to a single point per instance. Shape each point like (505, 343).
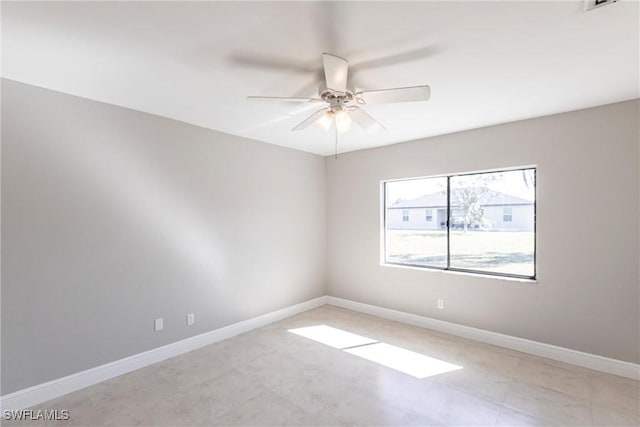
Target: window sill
(461, 273)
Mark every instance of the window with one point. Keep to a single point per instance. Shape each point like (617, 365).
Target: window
(468, 223)
(428, 215)
(507, 214)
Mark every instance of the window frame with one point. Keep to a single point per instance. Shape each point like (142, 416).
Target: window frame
(448, 268)
(405, 216)
(428, 215)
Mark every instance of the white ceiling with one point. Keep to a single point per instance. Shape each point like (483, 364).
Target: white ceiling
(486, 62)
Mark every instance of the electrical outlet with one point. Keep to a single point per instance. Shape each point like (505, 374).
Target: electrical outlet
(440, 303)
(158, 325)
(191, 319)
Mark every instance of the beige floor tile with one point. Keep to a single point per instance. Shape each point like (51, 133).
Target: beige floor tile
(314, 353)
(185, 372)
(172, 412)
(548, 404)
(386, 385)
(364, 409)
(271, 338)
(221, 394)
(434, 346)
(128, 388)
(614, 392)
(512, 418)
(478, 381)
(266, 409)
(449, 406)
(276, 368)
(492, 358)
(560, 378)
(317, 392)
(610, 417)
(414, 419)
(239, 350)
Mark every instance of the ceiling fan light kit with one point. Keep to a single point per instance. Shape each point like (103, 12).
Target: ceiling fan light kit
(343, 121)
(340, 99)
(325, 121)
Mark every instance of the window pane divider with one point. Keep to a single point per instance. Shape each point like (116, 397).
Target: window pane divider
(448, 223)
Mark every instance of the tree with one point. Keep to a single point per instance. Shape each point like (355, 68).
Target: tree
(467, 196)
(467, 208)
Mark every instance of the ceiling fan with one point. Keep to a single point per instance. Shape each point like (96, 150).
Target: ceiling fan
(340, 99)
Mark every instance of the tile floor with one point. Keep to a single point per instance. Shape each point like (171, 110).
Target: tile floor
(273, 377)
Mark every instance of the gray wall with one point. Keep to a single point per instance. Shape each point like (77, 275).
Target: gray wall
(587, 297)
(111, 218)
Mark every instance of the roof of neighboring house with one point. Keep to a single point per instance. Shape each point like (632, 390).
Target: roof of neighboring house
(439, 200)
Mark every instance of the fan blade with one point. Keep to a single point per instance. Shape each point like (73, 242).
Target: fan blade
(401, 94)
(335, 72)
(363, 119)
(282, 99)
(311, 119)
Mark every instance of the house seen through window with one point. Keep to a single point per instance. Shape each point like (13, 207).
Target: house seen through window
(476, 222)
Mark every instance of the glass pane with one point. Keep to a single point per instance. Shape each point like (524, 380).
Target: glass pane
(492, 222)
(412, 237)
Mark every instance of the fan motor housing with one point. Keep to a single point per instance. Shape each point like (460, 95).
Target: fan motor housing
(336, 99)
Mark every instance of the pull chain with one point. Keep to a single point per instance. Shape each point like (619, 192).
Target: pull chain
(336, 148)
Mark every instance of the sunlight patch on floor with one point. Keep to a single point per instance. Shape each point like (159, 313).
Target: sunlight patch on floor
(409, 362)
(333, 337)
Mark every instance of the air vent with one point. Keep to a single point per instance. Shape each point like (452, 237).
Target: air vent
(594, 4)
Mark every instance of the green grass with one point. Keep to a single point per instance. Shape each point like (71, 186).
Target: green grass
(492, 251)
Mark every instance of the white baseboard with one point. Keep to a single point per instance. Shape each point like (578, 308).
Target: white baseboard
(50, 390)
(574, 357)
